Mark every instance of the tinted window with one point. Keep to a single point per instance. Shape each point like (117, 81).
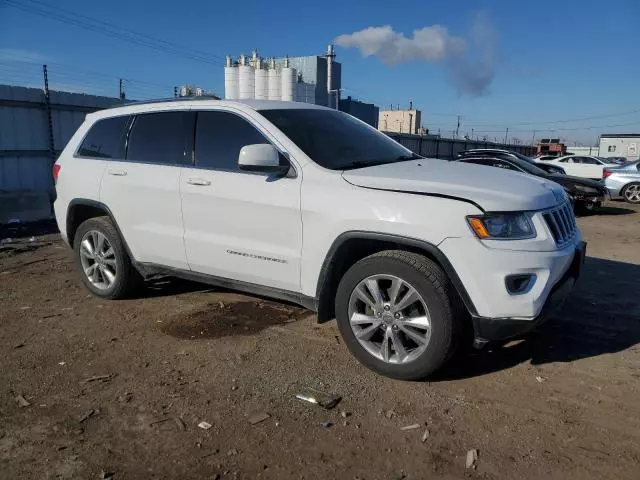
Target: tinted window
(219, 138)
(106, 139)
(590, 161)
(503, 164)
(161, 138)
(336, 140)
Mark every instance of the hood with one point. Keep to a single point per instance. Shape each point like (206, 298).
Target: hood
(568, 180)
(490, 188)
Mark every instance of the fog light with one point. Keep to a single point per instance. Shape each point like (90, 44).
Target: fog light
(520, 283)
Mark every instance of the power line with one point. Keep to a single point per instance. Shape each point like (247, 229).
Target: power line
(88, 23)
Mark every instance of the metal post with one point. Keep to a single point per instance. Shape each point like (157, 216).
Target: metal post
(47, 101)
(175, 92)
(458, 127)
(438, 146)
(506, 135)
(121, 90)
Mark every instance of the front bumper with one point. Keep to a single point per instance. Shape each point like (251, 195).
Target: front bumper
(495, 329)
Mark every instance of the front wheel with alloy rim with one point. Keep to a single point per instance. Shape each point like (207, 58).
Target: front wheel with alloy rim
(398, 314)
(103, 263)
(631, 193)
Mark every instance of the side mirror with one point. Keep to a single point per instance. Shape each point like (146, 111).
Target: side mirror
(262, 158)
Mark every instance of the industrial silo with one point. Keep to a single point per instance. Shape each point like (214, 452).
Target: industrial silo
(289, 78)
(261, 82)
(230, 80)
(246, 80)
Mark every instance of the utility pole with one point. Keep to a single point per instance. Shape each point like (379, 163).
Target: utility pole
(506, 135)
(121, 94)
(175, 92)
(458, 127)
(47, 100)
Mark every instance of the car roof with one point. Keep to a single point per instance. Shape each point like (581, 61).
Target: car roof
(201, 103)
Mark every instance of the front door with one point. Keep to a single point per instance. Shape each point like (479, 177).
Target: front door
(239, 225)
(143, 192)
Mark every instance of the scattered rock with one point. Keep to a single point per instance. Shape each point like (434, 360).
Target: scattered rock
(390, 414)
(540, 379)
(62, 364)
(22, 401)
(205, 425)
(216, 476)
(472, 458)
(425, 435)
(344, 414)
(235, 387)
(326, 424)
(258, 417)
(411, 427)
(105, 475)
(19, 345)
(232, 452)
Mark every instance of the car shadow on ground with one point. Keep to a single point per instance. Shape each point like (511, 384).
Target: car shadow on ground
(25, 230)
(169, 286)
(610, 210)
(601, 316)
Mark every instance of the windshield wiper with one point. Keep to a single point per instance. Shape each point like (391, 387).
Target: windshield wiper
(413, 156)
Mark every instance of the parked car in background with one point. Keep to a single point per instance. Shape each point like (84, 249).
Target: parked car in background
(546, 157)
(311, 205)
(586, 195)
(617, 160)
(507, 155)
(623, 181)
(580, 165)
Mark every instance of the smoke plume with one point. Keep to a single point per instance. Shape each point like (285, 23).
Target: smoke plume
(471, 61)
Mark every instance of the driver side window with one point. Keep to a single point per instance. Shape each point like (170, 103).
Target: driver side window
(219, 138)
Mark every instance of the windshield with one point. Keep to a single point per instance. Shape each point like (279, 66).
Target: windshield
(336, 140)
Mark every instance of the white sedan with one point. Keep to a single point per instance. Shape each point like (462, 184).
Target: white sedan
(581, 165)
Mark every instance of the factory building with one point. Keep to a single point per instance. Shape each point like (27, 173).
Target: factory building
(620, 145)
(313, 79)
(367, 112)
(400, 121)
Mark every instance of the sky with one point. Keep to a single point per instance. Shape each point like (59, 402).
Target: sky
(568, 68)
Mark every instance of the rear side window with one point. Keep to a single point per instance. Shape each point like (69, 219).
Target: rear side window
(106, 138)
(161, 138)
(219, 138)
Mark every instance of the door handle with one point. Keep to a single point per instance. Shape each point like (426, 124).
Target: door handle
(198, 182)
(117, 173)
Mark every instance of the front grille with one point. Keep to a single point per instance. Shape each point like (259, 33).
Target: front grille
(562, 223)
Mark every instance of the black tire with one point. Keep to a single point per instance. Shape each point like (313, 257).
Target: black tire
(445, 311)
(624, 190)
(127, 280)
(586, 208)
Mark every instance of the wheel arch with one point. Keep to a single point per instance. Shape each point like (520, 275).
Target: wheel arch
(352, 246)
(81, 210)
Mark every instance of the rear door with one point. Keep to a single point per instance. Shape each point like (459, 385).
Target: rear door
(142, 191)
(239, 225)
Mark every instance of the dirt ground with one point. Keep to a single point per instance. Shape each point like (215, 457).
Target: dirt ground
(97, 389)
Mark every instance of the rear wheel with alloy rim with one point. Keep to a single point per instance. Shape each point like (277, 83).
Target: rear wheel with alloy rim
(398, 314)
(103, 263)
(631, 193)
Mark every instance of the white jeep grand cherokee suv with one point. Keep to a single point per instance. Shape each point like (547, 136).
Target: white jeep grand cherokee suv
(311, 205)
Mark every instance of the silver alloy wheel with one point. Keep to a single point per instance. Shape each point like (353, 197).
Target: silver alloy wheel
(389, 318)
(98, 259)
(632, 193)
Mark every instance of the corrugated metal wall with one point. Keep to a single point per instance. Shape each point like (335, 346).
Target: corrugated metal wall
(25, 158)
(447, 148)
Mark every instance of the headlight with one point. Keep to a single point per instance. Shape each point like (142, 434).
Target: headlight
(502, 226)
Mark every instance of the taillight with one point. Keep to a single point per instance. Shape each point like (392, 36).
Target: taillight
(606, 173)
(56, 172)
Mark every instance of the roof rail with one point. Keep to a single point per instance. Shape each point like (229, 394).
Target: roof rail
(171, 99)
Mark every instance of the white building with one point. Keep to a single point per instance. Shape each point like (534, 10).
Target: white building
(620, 145)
